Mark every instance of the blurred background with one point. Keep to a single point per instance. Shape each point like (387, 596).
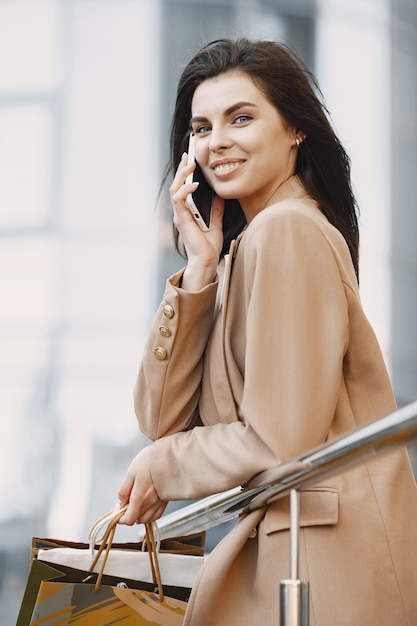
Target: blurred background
(86, 97)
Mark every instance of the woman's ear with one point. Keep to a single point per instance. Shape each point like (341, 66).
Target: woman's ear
(299, 136)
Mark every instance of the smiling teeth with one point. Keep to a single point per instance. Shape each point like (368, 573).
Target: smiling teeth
(225, 167)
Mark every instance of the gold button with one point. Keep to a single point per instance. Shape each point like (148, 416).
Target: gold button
(168, 311)
(253, 534)
(165, 332)
(160, 353)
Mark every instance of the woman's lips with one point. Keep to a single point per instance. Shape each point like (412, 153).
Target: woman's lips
(225, 168)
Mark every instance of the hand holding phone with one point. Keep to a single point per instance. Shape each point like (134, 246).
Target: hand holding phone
(199, 202)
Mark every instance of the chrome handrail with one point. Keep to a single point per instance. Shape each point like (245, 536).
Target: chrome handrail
(364, 443)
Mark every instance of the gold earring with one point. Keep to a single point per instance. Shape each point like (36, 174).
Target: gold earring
(297, 141)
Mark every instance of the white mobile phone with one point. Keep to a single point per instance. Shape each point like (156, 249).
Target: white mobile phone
(199, 202)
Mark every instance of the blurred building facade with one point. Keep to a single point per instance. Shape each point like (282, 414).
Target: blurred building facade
(86, 97)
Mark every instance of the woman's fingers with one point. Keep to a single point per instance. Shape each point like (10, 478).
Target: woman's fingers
(179, 192)
(179, 186)
(138, 492)
(141, 515)
(152, 514)
(202, 248)
(125, 489)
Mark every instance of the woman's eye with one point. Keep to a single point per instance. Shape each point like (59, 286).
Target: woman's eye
(242, 119)
(201, 130)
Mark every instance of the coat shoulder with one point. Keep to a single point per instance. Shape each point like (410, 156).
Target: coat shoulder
(292, 225)
(296, 214)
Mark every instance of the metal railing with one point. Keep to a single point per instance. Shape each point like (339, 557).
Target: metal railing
(357, 446)
(364, 443)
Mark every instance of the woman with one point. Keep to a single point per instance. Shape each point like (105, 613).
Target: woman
(258, 358)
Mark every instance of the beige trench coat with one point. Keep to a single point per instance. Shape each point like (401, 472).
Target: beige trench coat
(275, 361)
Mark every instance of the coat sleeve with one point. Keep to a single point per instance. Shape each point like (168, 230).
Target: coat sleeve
(296, 338)
(167, 388)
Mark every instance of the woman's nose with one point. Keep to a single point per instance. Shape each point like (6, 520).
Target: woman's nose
(219, 139)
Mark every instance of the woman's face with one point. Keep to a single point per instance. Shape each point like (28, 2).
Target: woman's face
(243, 146)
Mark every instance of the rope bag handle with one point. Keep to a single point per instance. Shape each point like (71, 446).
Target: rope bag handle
(105, 545)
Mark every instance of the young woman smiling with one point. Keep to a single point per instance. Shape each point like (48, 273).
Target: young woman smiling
(260, 350)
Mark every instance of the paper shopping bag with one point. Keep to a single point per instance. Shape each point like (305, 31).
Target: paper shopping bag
(41, 572)
(53, 578)
(64, 604)
(180, 559)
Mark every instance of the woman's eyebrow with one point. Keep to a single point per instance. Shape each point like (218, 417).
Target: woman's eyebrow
(228, 111)
(237, 106)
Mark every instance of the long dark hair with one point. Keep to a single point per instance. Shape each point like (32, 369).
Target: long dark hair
(322, 163)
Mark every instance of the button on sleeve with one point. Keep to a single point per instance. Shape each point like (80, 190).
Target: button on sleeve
(169, 311)
(160, 353)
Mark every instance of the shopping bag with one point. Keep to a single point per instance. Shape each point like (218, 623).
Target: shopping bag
(43, 572)
(57, 593)
(127, 560)
(76, 603)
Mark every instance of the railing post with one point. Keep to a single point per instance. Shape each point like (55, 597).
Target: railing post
(294, 594)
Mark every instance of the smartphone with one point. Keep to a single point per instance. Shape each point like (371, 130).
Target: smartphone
(199, 202)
